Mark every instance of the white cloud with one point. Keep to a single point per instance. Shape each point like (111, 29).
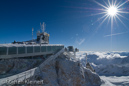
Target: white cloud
(108, 55)
(103, 55)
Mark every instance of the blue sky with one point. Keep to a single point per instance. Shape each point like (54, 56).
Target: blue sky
(69, 22)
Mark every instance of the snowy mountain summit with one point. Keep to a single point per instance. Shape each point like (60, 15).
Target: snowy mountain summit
(64, 71)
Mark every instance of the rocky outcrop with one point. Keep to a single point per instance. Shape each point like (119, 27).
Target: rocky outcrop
(66, 72)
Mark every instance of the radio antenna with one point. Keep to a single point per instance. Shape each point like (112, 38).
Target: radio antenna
(32, 34)
(43, 26)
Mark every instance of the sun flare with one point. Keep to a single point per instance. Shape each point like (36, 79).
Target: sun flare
(112, 11)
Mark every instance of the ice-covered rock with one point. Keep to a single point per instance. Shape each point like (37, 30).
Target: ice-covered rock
(66, 72)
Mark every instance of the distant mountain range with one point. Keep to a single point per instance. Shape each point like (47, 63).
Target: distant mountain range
(107, 63)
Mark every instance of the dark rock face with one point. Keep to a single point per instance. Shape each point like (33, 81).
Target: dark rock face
(10, 67)
(6, 66)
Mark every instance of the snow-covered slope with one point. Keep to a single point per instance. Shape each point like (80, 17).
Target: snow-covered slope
(107, 63)
(63, 71)
(115, 81)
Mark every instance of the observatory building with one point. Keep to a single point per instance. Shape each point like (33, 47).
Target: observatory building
(36, 47)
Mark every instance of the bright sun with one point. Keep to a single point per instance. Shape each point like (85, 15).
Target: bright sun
(112, 11)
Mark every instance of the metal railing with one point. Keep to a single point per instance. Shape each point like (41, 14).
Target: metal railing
(17, 78)
(26, 51)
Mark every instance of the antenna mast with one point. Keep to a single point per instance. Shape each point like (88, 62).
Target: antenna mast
(42, 26)
(32, 34)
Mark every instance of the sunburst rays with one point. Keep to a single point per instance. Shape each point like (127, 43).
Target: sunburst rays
(112, 10)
